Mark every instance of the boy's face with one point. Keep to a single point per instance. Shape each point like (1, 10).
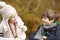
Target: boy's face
(46, 21)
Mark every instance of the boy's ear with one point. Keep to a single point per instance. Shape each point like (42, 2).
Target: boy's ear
(57, 15)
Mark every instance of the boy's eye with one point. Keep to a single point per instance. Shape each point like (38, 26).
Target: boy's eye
(50, 18)
(44, 17)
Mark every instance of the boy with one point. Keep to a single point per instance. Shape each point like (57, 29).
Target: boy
(50, 30)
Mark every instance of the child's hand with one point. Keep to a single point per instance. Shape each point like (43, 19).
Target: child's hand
(44, 37)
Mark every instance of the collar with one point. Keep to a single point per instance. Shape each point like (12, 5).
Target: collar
(52, 25)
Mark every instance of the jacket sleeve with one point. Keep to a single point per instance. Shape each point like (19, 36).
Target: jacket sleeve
(20, 24)
(58, 33)
(56, 36)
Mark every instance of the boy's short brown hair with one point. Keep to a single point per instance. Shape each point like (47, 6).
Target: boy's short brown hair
(51, 14)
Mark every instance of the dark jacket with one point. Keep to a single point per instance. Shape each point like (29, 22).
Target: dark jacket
(52, 33)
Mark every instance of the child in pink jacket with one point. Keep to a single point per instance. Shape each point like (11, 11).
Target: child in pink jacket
(12, 24)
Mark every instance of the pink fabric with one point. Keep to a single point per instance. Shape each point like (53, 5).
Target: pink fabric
(7, 11)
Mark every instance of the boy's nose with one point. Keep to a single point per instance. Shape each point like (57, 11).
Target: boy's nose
(42, 19)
